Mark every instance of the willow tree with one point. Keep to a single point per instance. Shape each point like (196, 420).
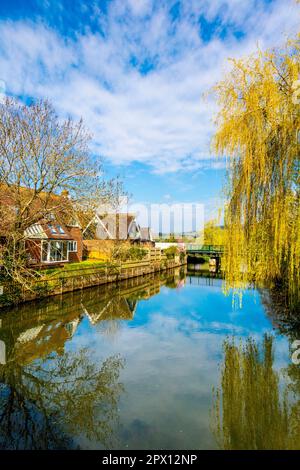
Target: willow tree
(258, 130)
(213, 233)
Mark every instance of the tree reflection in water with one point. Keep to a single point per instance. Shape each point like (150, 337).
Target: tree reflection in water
(51, 398)
(283, 318)
(51, 402)
(250, 411)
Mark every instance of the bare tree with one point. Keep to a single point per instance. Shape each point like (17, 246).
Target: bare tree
(45, 168)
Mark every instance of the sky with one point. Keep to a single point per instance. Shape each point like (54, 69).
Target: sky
(137, 71)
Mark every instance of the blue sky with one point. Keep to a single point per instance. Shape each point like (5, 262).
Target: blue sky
(136, 71)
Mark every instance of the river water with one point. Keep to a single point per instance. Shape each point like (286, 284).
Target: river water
(157, 362)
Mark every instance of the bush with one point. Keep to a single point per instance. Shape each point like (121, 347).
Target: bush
(133, 253)
(136, 253)
(171, 252)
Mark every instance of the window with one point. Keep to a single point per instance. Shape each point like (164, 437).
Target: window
(54, 251)
(52, 228)
(34, 231)
(60, 229)
(72, 246)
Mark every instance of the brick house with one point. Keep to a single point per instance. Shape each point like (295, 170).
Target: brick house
(50, 242)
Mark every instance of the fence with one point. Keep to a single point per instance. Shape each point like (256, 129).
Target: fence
(86, 277)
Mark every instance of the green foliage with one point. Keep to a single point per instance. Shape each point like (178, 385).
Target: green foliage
(11, 295)
(214, 234)
(71, 268)
(41, 289)
(171, 252)
(257, 126)
(134, 253)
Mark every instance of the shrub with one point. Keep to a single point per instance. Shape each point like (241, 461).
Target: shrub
(136, 253)
(171, 252)
(133, 253)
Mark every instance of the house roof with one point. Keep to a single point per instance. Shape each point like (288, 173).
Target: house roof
(119, 217)
(112, 225)
(56, 231)
(116, 308)
(50, 230)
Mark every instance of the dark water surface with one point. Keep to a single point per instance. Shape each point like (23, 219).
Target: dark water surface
(165, 362)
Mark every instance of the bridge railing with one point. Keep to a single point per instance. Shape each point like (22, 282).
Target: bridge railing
(204, 248)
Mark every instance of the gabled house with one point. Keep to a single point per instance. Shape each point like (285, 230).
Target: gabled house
(48, 240)
(113, 226)
(116, 308)
(117, 226)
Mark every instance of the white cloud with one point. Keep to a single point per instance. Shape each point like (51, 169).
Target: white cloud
(158, 118)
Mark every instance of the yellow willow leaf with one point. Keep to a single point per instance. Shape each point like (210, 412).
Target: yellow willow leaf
(257, 127)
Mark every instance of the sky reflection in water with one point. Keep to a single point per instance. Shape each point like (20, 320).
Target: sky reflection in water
(138, 363)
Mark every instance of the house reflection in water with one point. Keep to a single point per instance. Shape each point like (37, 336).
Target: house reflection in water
(40, 379)
(34, 330)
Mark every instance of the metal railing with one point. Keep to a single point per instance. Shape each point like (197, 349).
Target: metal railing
(204, 248)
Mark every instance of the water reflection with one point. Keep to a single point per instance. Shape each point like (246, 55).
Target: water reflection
(251, 410)
(35, 329)
(45, 405)
(50, 396)
(133, 365)
(284, 319)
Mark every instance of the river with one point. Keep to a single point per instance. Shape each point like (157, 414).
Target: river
(156, 362)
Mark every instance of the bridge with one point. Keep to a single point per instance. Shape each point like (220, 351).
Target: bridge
(214, 251)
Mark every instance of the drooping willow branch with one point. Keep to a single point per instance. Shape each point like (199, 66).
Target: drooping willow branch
(257, 127)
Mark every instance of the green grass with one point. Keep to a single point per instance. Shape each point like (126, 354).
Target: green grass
(87, 267)
(82, 268)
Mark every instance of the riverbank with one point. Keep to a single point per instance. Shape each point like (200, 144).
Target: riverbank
(83, 277)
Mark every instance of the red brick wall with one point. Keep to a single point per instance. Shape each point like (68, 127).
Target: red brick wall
(76, 234)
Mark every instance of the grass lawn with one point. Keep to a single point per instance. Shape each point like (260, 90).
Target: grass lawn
(70, 269)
